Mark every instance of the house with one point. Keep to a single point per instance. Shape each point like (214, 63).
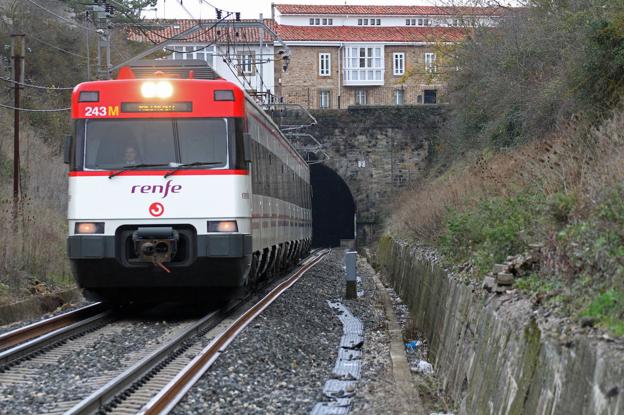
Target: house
(239, 51)
(369, 55)
(338, 55)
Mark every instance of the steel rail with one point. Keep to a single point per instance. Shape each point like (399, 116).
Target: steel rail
(39, 328)
(101, 398)
(177, 388)
(51, 339)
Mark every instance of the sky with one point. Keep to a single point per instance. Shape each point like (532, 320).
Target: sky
(250, 9)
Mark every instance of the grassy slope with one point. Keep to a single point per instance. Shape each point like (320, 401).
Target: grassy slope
(32, 248)
(513, 170)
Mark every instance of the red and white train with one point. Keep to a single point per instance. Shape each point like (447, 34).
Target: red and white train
(177, 184)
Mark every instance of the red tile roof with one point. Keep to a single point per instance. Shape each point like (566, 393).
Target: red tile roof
(305, 9)
(157, 31)
(371, 34)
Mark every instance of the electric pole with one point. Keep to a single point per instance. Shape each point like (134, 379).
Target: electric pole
(17, 53)
(102, 11)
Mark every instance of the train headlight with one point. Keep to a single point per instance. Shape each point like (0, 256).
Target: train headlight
(158, 89)
(222, 226)
(89, 228)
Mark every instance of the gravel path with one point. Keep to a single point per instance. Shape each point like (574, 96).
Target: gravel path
(54, 381)
(280, 363)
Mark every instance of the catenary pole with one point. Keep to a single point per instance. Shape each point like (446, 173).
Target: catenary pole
(19, 47)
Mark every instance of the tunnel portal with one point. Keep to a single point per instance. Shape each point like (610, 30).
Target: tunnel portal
(333, 207)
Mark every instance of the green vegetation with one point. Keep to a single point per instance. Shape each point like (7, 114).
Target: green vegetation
(493, 230)
(546, 63)
(533, 152)
(608, 309)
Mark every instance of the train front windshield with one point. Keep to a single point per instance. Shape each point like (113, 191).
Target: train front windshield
(112, 144)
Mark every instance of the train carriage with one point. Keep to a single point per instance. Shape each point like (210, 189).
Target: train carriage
(179, 183)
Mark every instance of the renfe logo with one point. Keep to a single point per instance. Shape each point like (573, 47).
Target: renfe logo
(156, 209)
(157, 188)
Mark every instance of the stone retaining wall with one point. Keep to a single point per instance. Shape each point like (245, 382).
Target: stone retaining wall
(378, 151)
(493, 355)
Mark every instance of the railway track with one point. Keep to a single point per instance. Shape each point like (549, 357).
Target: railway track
(155, 384)
(38, 337)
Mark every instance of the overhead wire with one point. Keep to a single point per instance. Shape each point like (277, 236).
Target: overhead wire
(50, 88)
(60, 17)
(34, 110)
(57, 48)
(143, 30)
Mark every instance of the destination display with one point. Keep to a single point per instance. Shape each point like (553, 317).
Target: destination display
(156, 107)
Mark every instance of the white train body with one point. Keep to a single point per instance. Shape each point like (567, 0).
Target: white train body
(173, 220)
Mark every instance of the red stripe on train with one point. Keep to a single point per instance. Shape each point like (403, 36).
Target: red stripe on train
(163, 172)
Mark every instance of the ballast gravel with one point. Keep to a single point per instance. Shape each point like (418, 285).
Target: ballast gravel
(279, 364)
(55, 380)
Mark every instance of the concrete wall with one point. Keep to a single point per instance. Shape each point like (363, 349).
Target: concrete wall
(495, 354)
(378, 152)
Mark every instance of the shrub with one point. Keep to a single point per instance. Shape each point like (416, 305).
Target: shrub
(493, 230)
(608, 309)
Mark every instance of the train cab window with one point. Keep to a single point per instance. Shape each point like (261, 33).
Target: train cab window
(112, 144)
(108, 143)
(203, 140)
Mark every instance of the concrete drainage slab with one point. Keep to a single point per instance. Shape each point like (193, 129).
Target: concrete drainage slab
(341, 388)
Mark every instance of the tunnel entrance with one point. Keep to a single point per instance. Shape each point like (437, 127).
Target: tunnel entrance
(333, 207)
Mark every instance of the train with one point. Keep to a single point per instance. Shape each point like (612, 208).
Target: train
(179, 184)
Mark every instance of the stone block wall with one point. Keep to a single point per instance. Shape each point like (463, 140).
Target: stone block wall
(494, 354)
(378, 152)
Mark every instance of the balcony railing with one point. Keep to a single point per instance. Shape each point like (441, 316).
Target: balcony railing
(363, 77)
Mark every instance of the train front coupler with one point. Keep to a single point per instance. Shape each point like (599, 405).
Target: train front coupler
(156, 245)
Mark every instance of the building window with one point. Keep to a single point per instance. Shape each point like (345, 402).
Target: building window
(430, 62)
(365, 22)
(246, 63)
(330, 22)
(398, 66)
(359, 22)
(360, 97)
(424, 22)
(324, 99)
(408, 22)
(364, 65)
(194, 52)
(431, 96)
(399, 96)
(324, 64)
(324, 21)
(317, 21)
(311, 21)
